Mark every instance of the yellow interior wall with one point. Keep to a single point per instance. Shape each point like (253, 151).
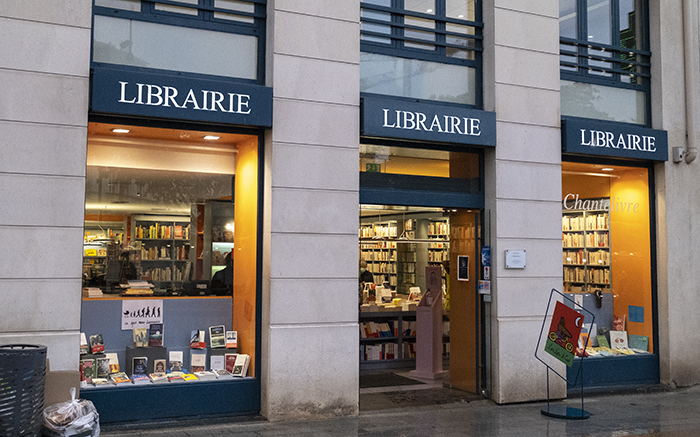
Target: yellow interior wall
(631, 250)
(463, 309)
(245, 248)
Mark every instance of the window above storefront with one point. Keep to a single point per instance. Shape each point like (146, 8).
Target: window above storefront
(212, 37)
(604, 43)
(424, 49)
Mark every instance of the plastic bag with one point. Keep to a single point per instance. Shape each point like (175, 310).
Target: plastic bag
(78, 417)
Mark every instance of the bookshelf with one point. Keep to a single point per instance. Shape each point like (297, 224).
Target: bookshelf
(586, 250)
(439, 250)
(163, 247)
(99, 238)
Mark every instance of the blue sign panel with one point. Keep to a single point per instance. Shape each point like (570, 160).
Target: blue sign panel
(183, 98)
(594, 137)
(486, 256)
(387, 117)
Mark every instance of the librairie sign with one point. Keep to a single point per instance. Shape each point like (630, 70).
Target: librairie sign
(183, 98)
(397, 118)
(593, 137)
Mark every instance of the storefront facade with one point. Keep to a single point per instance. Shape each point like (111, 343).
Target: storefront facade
(501, 103)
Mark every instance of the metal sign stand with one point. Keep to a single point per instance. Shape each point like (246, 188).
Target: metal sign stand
(557, 410)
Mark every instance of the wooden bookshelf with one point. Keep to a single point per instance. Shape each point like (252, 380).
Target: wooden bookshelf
(586, 250)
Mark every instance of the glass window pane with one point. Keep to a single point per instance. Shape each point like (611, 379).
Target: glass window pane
(422, 6)
(460, 9)
(467, 43)
(144, 44)
(417, 34)
(598, 66)
(396, 76)
(233, 5)
(127, 5)
(418, 162)
(599, 21)
(374, 27)
(602, 102)
(568, 19)
(179, 9)
(386, 3)
(628, 25)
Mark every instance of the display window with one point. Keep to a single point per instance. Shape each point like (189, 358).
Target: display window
(607, 255)
(170, 257)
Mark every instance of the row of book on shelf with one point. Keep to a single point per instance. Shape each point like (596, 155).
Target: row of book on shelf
(166, 232)
(589, 223)
(579, 274)
(597, 257)
(389, 329)
(591, 240)
(604, 342)
(386, 351)
(163, 253)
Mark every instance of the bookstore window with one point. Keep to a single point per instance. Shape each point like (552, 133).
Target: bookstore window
(425, 49)
(604, 59)
(216, 37)
(170, 242)
(607, 264)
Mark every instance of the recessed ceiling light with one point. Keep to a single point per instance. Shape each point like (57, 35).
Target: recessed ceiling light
(211, 137)
(430, 11)
(460, 16)
(120, 131)
(607, 169)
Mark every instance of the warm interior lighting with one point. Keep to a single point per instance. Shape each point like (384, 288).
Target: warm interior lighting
(607, 169)
(211, 137)
(120, 131)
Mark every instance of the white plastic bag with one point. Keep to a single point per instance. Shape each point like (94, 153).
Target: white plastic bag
(78, 417)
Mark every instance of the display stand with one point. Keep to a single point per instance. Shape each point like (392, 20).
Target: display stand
(429, 337)
(562, 411)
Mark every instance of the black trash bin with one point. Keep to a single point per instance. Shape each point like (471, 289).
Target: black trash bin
(22, 380)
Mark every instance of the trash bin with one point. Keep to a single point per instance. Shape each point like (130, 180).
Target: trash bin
(22, 380)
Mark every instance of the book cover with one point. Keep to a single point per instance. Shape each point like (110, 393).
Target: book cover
(140, 379)
(158, 378)
(205, 375)
(230, 360)
(240, 369)
(217, 362)
(639, 342)
(155, 334)
(175, 377)
(139, 366)
(217, 336)
(619, 322)
(119, 378)
(101, 381)
(159, 366)
(189, 377)
(97, 345)
(223, 374)
(197, 362)
(84, 348)
(197, 339)
(231, 339)
(102, 368)
(88, 369)
(602, 341)
(113, 362)
(618, 340)
(140, 337)
(175, 358)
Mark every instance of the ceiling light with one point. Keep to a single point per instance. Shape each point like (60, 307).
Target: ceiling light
(430, 11)
(607, 169)
(460, 16)
(211, 137)
(120, 131)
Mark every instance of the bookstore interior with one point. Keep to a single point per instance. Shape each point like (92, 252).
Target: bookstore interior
(607, 257)
(164, 209)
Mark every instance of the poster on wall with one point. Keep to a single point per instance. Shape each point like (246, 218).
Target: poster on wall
(563, 334)
(462, 267)
(139, 313)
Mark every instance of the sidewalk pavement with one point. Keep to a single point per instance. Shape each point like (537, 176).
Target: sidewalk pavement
(672, 413)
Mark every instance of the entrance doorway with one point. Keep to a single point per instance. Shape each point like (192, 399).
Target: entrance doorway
(399, 248)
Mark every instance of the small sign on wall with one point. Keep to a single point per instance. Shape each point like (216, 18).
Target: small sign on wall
(139, 313)
(462, 267)
(516, 259)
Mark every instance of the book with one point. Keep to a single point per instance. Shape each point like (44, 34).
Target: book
(158, 377)
(84, 348)
(223, 374)
(140, 379)
(97, 345)
(602, 341)
(119, 378)
(639, 342)
(231, 339)
(189, 377)
(230, 362)
(101, 368)
(240, 369)
(618, 340)
(101, 381)
(88, 369)
(197, 339)
(205, 375)
(155, 334)
(217, 336)
(175, 377)
(140, 337)
(217, 362)
(113, 362)
(159, 366)
(175, 358)
(139, 366)
(198, 361)
(619, 323)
